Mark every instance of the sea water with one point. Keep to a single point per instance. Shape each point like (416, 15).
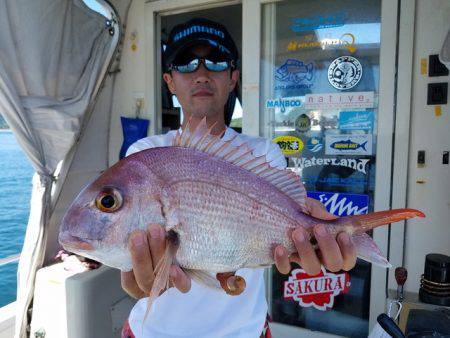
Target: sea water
(15, 192)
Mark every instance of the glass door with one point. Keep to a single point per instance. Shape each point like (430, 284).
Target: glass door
(319, 101)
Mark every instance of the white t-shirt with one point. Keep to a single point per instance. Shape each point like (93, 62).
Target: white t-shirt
(203, 312)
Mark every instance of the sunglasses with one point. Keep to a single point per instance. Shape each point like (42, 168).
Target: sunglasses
(213, 65)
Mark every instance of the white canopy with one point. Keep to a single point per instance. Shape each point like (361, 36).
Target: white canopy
(444, 55)
(53, 58)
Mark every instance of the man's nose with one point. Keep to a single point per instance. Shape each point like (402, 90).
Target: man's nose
(201, 75)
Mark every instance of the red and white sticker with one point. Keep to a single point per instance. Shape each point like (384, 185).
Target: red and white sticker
(317, 291)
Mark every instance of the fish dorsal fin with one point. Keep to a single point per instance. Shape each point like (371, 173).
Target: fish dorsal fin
(200, 138)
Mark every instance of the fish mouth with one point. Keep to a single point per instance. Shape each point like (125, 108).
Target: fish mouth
(70, 242)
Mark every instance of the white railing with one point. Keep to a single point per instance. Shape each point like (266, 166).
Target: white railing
(9, 259)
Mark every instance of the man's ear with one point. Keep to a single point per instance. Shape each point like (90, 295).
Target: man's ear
(169, 80)
(233, 79)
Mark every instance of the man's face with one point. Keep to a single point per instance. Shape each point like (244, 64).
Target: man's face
(203, 92)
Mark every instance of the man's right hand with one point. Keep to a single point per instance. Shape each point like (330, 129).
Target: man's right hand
(146, 250)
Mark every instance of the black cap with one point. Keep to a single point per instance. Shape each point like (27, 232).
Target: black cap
(199, 31)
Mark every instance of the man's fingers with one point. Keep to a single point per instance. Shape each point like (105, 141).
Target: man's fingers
(331, 254)
(306, 253)
(141, 260)
(156, 236)
(282, 260)
(130, 286)
(179, 279)
(348, 251)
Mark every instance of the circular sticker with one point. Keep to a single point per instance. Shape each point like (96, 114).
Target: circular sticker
(344, 72)
(302, 123)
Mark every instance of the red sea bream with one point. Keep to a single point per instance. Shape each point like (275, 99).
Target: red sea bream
(223, 209)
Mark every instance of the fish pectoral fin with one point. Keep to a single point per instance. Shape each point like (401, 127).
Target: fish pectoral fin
(367, 249)
(203, 278)
(233, 285)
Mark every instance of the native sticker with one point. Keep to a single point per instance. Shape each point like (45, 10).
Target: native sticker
(289, 145)
(348, 144)
(314, 144)
(340, 100)
(315, 291)
(302, 123)
(344, 72)
(342, 204)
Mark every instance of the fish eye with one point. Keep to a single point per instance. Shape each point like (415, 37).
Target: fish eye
(109, 200)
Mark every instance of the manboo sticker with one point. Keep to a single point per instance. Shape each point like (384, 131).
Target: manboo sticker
(315, 291)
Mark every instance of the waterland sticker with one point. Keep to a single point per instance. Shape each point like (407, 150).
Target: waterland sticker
(318, 22)
(283, 103)
(315, 291)
(342, 204)
(358, 164)
(348, 144)
(295, 74)
(289, 145)
(344, 72)
(356, 120)
(339, 100)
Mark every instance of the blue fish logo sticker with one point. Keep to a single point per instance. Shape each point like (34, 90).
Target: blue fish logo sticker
(295, 71)
(348, 145)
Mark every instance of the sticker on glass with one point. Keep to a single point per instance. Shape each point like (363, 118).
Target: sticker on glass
(318, 22)
(357, 164)
(342, 204)
(344, 72)
(348, 144)
(283, 103)
(314, 144)
(356, 120)
(302, 123)
(295, 74)
(339, 100)
(289, 145)
(315, 291)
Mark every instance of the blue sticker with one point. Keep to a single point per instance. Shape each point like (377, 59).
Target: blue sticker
(283, 103)
(318, 22)
(295, 75)
(342, 204)
(314, 144)
(356, 120)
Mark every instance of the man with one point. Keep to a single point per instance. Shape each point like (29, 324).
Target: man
(201, 71)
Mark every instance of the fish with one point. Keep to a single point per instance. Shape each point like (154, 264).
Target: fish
(222, 208)
(348, 145)
(295, 71)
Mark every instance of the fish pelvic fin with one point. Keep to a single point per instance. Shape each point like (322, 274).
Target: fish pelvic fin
(242, 156)
(203, 278)
(161, 271)
(367, 250)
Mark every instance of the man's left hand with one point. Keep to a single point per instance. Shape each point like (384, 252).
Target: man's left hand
(335, 253)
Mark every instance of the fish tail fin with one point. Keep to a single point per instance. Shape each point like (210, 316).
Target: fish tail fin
(375, 219)
(162, 271)
(367, 249)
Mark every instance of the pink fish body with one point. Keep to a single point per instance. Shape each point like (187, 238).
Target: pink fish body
(224, 208)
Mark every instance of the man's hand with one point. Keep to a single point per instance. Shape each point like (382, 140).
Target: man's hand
(335, 253)
(146, 250)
